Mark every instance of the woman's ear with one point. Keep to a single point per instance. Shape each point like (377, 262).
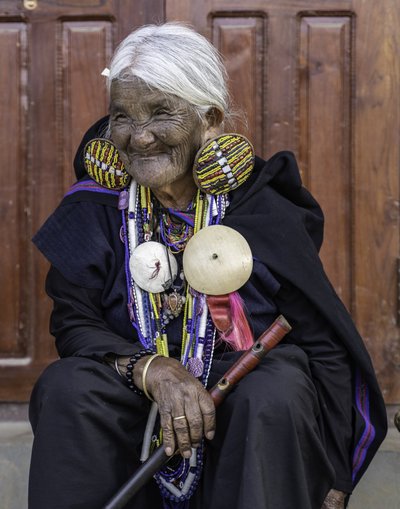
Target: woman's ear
(213, 122)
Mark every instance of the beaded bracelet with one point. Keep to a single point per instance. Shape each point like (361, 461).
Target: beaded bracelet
(129, 369)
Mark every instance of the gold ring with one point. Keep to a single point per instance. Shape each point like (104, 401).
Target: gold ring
(179, 417)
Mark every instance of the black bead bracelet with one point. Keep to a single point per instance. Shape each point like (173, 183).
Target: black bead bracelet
(129, 369)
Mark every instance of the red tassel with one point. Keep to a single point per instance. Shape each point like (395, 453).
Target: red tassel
(227, 312)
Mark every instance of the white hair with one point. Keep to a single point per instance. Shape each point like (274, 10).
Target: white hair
(176, 60)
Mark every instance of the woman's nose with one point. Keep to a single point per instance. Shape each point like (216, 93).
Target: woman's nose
(141, 138)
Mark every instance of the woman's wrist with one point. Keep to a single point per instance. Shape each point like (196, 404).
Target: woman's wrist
(125, 365)
(120, 363)
(145, 387)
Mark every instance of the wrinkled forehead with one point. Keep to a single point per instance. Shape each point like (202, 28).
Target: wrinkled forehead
(125, 94)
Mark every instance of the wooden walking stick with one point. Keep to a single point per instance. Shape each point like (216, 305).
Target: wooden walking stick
(246, 363)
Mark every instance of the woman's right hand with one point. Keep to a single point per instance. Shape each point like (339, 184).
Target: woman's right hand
(187, 411)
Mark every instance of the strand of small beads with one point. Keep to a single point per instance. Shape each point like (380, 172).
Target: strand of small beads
(140, 217)
(130, 214)
(129, 369)
(198, 339)
(179, 481)
(175, 234)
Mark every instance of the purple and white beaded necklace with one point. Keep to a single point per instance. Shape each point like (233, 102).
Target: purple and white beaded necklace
(178, 483)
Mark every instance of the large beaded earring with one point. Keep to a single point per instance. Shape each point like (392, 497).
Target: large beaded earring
(104, 165)
(223, 163)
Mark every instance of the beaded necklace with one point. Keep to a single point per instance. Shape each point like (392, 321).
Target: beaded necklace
(177, 483)
(176, 234)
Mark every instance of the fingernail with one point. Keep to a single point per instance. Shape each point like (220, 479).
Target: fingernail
(168, 451)
(187, 454)
(210, 435)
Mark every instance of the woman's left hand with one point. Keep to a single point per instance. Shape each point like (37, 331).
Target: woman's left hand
(186, 409)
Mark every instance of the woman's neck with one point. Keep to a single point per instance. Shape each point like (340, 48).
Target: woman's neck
(178, 194)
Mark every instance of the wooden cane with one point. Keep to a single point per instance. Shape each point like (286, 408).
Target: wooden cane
(246, 363)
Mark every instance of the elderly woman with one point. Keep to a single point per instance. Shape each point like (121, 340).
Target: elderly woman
(300, 430)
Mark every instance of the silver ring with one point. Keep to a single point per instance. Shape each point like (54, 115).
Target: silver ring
(179, 417)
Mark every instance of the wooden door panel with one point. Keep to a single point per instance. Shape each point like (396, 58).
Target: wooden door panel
(376, 188)
(51, 93)
(242, 41)
(86, 47)
(320, 78)
(324, 92)
(13, 205)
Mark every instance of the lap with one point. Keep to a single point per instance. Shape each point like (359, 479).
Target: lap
(277, 399)
(85, 387)
(282, 376)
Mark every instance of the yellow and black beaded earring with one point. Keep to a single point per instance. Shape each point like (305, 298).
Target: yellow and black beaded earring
(104, 165)
(223, 163)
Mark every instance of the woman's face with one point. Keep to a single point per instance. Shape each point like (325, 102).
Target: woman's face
(157, 135)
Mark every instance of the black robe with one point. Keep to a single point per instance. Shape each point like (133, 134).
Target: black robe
(284, 227)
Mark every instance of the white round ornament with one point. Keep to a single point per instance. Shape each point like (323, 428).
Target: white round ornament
(217, 260)
(150, 269)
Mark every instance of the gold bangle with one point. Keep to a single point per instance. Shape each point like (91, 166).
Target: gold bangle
(144, 374)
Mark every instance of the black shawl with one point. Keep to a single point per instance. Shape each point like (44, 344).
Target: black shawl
(284, 227)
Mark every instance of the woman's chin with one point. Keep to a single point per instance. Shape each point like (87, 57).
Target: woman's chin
(153, 180)
(155, 174)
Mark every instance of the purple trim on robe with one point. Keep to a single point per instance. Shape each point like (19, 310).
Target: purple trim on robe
(90, 185)
(362, 402)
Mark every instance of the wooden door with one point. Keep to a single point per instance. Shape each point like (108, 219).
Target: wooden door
(321, 78)
(51, 55)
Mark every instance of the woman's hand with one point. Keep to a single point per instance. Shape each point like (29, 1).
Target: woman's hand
(334, 500)
(186, 409)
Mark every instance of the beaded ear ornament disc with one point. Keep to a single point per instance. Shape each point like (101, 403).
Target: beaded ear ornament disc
(103, 164)
(223, 163)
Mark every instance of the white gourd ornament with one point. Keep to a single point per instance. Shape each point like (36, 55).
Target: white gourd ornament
(150, 268)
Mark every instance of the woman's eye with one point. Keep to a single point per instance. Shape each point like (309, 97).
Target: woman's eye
(162, 111)
(120, 117)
